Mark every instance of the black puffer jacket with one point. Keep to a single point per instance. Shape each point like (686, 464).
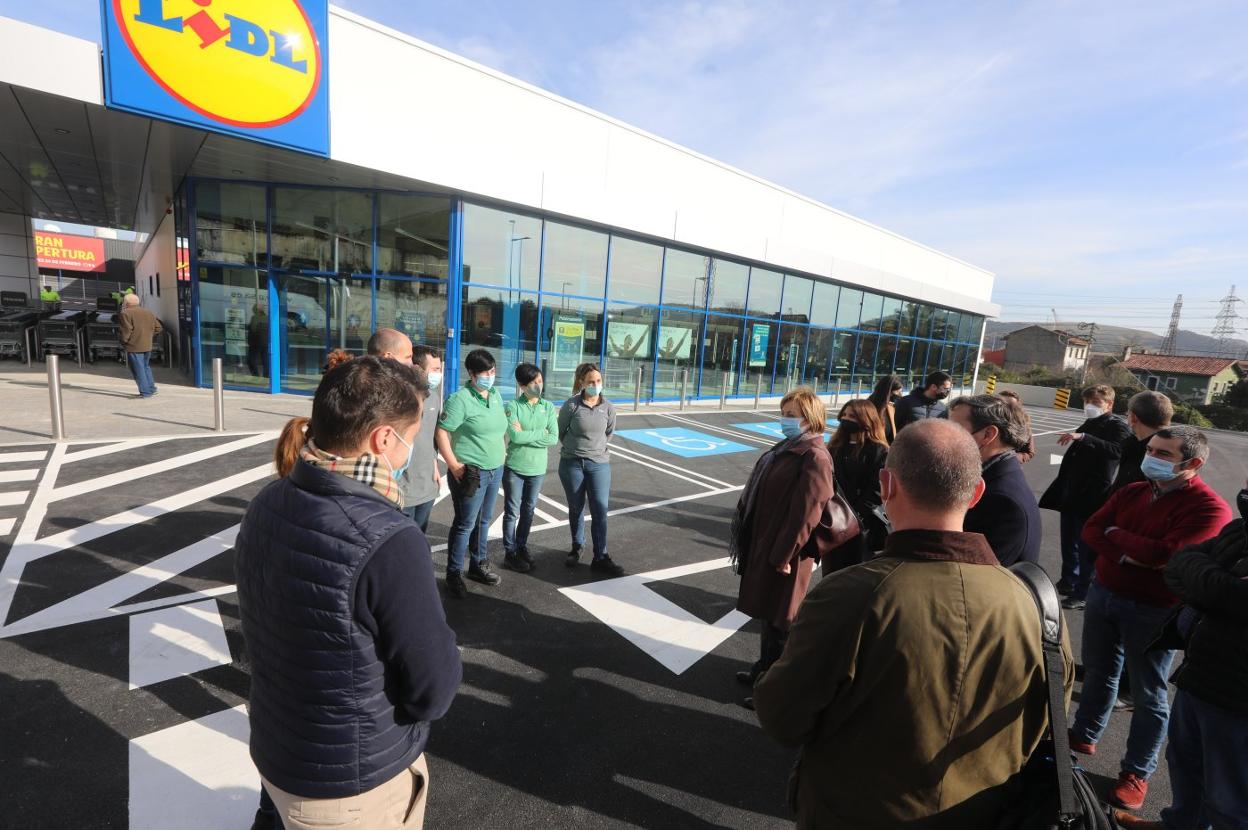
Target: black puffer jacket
(1210, 578)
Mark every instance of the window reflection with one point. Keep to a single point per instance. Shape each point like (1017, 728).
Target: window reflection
(636, 270)
(760, 356)
(571, 332)
(631, 336)
(797, 296)
(413, 235)
(501, 248)
(847, 313)
(677, 352)
(823, 309)
(729, 283)
(322, 230)
(234, 324)
(418, 309)
(685, 277)
(725, 342)
(504, 323)
(230, 223)
(574, 261)
(790, 358)
(765, 289)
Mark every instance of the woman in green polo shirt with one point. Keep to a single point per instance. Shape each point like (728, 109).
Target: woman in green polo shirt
(533, 427)
(470, 439)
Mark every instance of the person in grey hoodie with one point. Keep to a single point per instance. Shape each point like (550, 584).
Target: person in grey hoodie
(586, 422)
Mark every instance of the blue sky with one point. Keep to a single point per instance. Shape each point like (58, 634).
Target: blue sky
(1093, 155)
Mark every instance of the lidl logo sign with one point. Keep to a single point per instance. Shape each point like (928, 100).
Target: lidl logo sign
(255, 68)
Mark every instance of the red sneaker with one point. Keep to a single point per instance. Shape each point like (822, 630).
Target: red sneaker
(1130, 791)
(1082, 747)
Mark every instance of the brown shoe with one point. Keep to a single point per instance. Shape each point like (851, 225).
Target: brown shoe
(1130, 821)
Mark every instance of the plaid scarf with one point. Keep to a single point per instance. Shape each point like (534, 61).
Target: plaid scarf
(367, 469)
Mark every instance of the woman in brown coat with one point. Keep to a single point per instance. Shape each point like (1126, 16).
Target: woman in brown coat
(782, 525)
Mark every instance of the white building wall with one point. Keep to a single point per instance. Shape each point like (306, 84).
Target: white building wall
(158, 262)
(474, 130)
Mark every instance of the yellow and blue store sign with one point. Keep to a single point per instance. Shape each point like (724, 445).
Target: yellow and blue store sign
(251, 68)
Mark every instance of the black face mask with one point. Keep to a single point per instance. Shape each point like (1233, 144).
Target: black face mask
(941, 394)
(1241, 501)
(851, 427)
(896, 396)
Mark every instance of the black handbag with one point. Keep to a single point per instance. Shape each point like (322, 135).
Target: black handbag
(1053, 791)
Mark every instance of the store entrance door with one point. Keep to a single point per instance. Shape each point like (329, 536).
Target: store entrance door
(320, 314)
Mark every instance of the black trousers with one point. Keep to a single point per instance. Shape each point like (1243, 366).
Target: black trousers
(771, 647)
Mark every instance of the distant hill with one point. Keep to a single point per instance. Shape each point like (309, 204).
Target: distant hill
(1113, 339)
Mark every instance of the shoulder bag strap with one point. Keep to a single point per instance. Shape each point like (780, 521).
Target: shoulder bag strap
(1045, 595)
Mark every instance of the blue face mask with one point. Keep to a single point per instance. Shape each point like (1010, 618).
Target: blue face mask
(791, 427)
(397, 472)
(484, 382)
(1154, 469)
(593, 390)
(435, 379)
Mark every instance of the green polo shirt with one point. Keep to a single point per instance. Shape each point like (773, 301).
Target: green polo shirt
(477, 425)
(539, 429)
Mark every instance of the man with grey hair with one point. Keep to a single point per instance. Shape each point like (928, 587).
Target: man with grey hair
(1007, 514)
(925, 662)
(1134, 536)
(136, 327)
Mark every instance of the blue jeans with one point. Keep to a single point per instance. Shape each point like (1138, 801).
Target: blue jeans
(1207, 755)
(419, 513)
(141, 368)
(1073, 573)
(583, 478)
(519, 500)
(1117, 629)
(472, 521)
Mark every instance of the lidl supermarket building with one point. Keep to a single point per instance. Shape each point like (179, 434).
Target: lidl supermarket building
(300, 176)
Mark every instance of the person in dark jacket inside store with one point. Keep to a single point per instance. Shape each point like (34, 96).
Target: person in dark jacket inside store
(859, 450)
(925, 402)
(1147, 413)
(1082, 485)
(1208, 749)
(351, 656)
(1007, 514)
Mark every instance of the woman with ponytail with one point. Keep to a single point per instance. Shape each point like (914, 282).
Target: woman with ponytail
(351, 654)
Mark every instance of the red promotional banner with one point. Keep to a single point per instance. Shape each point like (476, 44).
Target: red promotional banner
(69, 253)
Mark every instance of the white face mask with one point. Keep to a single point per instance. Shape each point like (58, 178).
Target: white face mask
(1093, 411)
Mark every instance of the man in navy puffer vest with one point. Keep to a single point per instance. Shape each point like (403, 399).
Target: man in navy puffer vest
(351, 657)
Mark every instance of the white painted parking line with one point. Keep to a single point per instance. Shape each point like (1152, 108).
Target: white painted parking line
(7, 476)
(174, 642)
(630, 452)
(563, 508)
(6, 526)
(614, 451)
(1054, 458)
(655, 624)
(22, 457)
(741, 436)
(114, 447)
(14, 498)
(197, 775)
(102, 482)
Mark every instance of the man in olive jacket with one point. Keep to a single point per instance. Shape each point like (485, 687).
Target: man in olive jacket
(914, 683)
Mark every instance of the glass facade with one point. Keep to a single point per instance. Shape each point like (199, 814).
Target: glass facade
(335, 265)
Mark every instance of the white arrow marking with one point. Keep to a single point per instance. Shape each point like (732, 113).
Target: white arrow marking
(1055, 459)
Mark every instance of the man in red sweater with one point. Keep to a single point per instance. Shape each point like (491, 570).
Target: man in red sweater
(1134, 535)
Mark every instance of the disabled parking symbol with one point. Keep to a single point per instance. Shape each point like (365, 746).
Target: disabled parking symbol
(685, 443)
(772, 429)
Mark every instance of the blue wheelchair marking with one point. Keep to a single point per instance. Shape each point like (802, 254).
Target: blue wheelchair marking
(772, 429)
(683, 442)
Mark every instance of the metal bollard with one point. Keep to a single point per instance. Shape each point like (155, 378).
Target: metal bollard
(641, 370)
(723, 390)
(837, 399)
(684, 388)
(54, 398)
(30, 346)
(758, 389)
(218, 394)
(81, 344)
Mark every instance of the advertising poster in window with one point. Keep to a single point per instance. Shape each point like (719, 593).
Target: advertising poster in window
(236, 324)
(566, 345)
(676, 342)
(760, 336)
(628, 340)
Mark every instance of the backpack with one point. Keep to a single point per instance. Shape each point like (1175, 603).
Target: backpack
(1053, 791)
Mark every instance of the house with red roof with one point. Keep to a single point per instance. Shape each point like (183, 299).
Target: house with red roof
(1194, 380)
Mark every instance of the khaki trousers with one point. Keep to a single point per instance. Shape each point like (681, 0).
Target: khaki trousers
(398, 803)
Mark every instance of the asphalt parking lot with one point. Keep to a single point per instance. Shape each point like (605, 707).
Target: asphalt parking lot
(585, 703)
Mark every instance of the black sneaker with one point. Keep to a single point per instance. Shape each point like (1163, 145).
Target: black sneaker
(748, 703)
(516, 562)
(483, 574)
(524, 554)
(603, 565)
(1074, 604)
(574, 557)
(455, 585)
(1064, 588)
(746, 678)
